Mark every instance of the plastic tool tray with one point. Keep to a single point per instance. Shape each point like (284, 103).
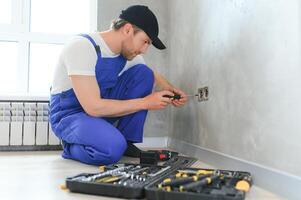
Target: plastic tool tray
(158, 182)
(125, 181)
(205, 184)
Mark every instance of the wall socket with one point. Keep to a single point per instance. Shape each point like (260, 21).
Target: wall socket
(203, 94)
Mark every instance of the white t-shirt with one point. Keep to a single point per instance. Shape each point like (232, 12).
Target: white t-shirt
(79, 57)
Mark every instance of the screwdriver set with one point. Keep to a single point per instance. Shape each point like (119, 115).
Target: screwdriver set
(192, 184)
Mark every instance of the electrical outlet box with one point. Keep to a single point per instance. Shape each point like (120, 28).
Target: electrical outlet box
(203, 94)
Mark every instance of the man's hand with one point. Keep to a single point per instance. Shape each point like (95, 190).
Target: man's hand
(156, 101)
(179, 102)
(165, 85)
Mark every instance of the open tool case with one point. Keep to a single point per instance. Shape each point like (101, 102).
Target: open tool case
(136, 181)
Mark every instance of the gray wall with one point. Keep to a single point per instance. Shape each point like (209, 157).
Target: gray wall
(248, 53)
(157, 121)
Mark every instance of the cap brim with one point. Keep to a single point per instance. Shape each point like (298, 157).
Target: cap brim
(158, 44)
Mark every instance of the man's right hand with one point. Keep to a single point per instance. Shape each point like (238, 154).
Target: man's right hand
(156, 101)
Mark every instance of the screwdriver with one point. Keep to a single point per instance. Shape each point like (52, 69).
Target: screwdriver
(177, 96)
(182, 176)
(200, 171)
(181, 181)
(202, 182)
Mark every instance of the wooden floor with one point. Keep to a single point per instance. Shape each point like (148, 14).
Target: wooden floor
(38, 175)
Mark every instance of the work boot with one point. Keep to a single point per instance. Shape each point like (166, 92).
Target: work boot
(132, 150)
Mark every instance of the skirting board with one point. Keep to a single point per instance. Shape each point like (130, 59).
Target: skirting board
(278, 182)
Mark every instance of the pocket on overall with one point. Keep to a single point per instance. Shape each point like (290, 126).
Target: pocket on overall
(68, 100)
(107, 79)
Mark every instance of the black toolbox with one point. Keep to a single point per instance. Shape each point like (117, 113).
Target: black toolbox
(136, 181)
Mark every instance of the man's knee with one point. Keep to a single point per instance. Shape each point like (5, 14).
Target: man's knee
(144, 79)
(113, 155)
(116, 150)
(145, 73)
(111, 152)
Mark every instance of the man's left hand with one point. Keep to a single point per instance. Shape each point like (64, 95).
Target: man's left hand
(179, 102)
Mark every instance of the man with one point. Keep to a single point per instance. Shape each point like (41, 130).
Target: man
(101, 80)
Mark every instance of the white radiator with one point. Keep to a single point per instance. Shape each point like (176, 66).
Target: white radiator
(24, 125)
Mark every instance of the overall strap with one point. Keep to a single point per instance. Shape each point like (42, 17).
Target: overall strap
(97, 48)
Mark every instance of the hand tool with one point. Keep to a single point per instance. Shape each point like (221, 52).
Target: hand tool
(177, 96)
(182, 181)
(133, 175)
(80, 177)
(137, 171)
(183, 175)
(198, 172)
(121, 175)
(106, 173)
(111, 179)
(142, 177)
(123, 178)
(159, 172)
(197, 184)
(178, 175)
(110, 175)
(244, 183)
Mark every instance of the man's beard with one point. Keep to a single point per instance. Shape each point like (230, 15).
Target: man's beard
(128, 56)
(127, 53)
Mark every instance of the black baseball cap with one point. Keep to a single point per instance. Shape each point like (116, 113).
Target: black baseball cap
(142, 17)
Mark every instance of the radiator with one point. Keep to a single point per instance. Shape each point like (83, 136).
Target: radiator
(24, 126)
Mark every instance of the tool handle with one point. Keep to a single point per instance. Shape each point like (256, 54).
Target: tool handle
(244, 183)
(200, 183)
(177, 182)
(176, 96)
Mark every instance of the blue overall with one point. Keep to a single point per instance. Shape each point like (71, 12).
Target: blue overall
(95, 140)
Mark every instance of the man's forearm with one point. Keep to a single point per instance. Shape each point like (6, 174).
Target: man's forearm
(116, 108)
(161, 82)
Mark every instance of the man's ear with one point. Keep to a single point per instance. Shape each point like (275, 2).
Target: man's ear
(127, 29)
